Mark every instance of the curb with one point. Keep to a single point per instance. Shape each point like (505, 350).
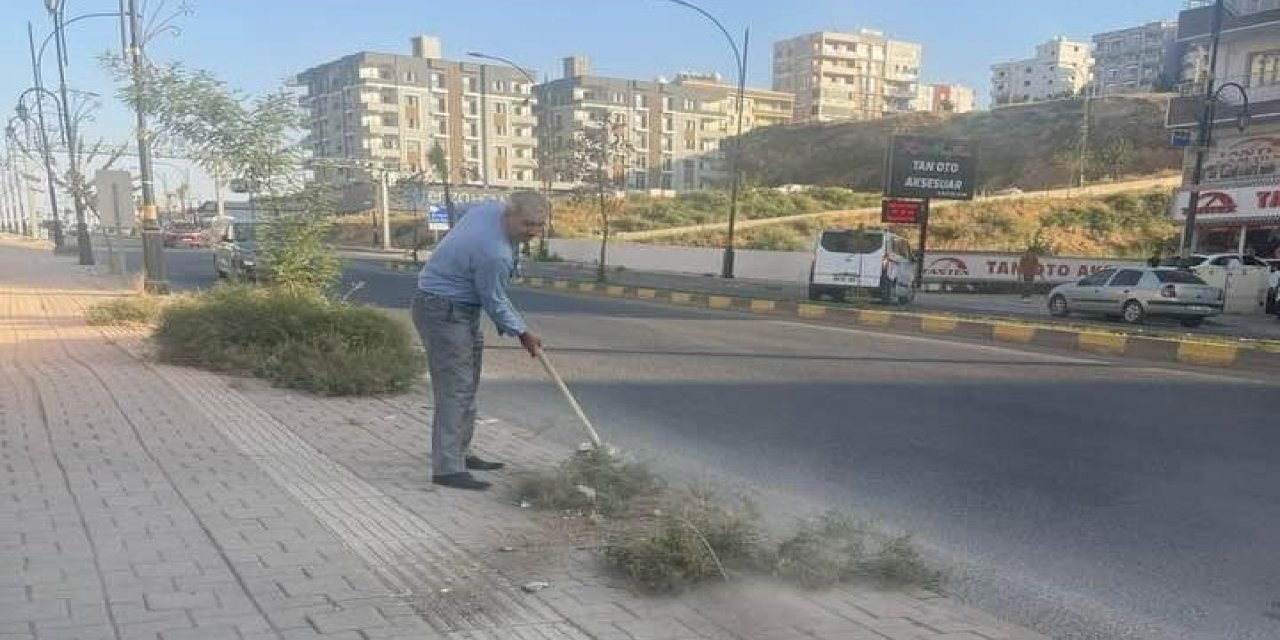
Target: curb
(1095, 342)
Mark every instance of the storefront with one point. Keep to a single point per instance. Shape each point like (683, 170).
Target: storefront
(1239, 205)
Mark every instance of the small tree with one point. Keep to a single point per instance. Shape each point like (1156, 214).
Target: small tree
(295, 244)
(1115, 157)
(597, 160)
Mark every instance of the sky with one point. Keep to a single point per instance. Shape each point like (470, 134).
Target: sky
(256, 45)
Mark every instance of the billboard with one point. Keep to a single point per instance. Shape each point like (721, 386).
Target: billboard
(928, 167)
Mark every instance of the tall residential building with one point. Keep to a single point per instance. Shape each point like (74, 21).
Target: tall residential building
(945, 98)
(1136, 60)
(847, 76)
(670, 133)
(1060, 68)
(1238, 209)
(390, 110)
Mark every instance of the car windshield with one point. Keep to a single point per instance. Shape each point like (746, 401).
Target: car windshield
(852, 241)
(1175, 276)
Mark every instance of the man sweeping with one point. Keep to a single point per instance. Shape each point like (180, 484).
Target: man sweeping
(468, 273)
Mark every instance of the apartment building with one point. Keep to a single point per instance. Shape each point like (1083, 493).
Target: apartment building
(945, 98)
(388, 111)
(847, 76)
(1239, 205)
(1137, 60)
(1060, 68)
(670, 134)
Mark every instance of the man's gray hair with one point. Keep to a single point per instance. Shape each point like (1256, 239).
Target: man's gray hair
(525, 203)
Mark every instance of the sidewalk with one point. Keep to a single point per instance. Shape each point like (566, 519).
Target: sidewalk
(147, 501)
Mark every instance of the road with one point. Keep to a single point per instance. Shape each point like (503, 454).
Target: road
(1087, 498)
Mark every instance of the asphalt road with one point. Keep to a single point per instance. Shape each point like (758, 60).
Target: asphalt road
(1086, 498)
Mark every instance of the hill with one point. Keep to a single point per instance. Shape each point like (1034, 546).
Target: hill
(1124, 224)
(1035, 146)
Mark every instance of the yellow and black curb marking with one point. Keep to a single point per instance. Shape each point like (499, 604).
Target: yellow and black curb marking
(1004, 331)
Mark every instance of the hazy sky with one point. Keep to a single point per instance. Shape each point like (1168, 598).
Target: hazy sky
(257, 44)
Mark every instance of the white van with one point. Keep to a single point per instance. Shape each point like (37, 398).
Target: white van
(862, 261)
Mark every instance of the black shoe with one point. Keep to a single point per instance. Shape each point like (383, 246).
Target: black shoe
(477, 464)
(462, 480)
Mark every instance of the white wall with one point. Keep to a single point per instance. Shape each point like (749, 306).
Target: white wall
(783, 266)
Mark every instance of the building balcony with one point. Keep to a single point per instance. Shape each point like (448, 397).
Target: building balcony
(1264, 105)
(1197, 23)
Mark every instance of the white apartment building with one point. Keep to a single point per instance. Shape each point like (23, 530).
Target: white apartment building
(1060, 68)
(1138, 59)
(669, 134)
(388, 111)
(847, 76)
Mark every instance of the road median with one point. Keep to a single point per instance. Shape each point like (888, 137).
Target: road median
(1202, 351)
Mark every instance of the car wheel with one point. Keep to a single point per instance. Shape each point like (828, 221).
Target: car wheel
(1132, 312)
(1191, 323)
(1058, 307)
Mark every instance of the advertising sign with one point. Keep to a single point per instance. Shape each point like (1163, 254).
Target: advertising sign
(927, 167)
(1243, 158)
(1230, 205)
(437, 218)
(895, 211)
(964, 267)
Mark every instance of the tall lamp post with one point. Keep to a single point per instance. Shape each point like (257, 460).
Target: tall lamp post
(544, 167)
(740, 56)
(1204, 127)
(152, 238)
(46, 154)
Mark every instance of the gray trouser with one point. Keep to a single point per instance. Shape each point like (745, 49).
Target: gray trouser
(455, 346)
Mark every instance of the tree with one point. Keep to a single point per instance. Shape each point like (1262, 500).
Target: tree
(597, 161)
(232, 136)
(440, 165)
(1115, 157)
(70, 178)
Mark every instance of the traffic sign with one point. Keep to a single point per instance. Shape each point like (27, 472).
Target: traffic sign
(437, 218)
(1180, 138)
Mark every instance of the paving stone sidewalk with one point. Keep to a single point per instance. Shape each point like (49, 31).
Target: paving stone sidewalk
(146, 501)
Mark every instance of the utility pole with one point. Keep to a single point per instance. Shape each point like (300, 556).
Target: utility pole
(384, 204)
(152, 238)
(1084, 137)
(1204, 134)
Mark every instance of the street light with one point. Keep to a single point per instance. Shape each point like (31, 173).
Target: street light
(1205, 127)
(740, 56)
(544, 167)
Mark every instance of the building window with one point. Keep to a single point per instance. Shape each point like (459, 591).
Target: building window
(499, 107)
(473, 152)
(666, 143)
(473, 107)
(500, 129)
(389, 120)
(469, 84)
(501, 151)
(390, 142)
(473, 130)
(522, 152)
(668, 123)
(500, 86)
(442, 105)
(1264, 69)
(442, 126)
(690, 144)
(502, 173)
(521, 175)
(642, 121)
(437, 80)
(690, 126)
(410, 76)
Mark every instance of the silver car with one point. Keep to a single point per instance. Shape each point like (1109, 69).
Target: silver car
(1135, 293)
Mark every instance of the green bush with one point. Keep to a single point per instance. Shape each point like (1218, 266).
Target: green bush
(293, 338)
(132, 310)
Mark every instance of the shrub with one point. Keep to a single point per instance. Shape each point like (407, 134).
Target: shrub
(608, 484)
(689, 540)
(132, 310)
(293, 338)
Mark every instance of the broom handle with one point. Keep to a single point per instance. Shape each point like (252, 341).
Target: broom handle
(568, 395)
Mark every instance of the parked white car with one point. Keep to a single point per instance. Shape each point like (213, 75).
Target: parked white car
(1133, 294)
(867, 261)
